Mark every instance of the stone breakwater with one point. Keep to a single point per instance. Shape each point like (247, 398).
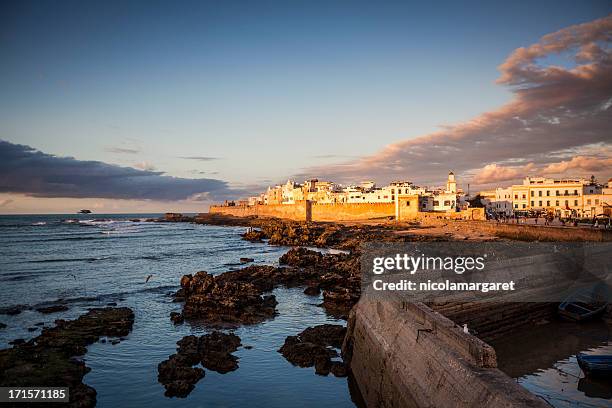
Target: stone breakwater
(49, 360)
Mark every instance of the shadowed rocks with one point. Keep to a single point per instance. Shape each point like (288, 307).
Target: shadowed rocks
(213, 351)
(48, 360)
(220, 299)
(316, 346)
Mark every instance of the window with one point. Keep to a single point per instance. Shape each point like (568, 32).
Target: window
(539, 203)
(532, 193)
(516, 206)
(436, 203)
(408, 204)
(566, 192)
(532, 203)
(524, 196)
(524, 205)
(566, 203)
(576, 193)
(589, 201)
(547, 193)
(557, 203)
(596, 201)
(548, 203)
(575, 202)
(540, 193)
(558, 193)
(516, 196)
(447, 203)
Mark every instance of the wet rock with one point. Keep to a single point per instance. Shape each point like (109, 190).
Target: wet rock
(254, 236)
(11, 310)
(32, 329)
(216, 348)
(246, 260)
(339, 369)
(312, 291)
(17, 342)
(39, 324)
(213, 351)
(111, 304)
(178, 376)
(315, 346)
(2, 326)
(221, 299)
(176, 317)
(48, 359)
(52, 309)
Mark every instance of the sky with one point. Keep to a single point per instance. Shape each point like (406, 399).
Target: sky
(154, 106)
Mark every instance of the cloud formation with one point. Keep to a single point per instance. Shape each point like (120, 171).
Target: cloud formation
(556, 114)
(200, 158)
(25, 170)
(122, 150)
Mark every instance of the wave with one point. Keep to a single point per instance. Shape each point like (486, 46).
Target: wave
(88, 259)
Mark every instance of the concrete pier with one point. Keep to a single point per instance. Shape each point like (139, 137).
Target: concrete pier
(408, 355)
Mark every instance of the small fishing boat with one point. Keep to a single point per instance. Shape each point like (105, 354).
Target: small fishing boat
(596, 366)
(584, 304)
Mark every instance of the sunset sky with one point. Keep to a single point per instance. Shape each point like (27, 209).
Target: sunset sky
(154, 106)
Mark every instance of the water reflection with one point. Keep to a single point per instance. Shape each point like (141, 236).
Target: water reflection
(543, 360)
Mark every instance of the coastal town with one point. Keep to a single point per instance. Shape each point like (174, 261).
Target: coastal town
(563, 198)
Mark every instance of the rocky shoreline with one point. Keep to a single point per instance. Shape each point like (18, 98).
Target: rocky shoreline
(51, 359)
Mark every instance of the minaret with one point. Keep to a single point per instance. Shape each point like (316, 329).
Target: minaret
(451, 184)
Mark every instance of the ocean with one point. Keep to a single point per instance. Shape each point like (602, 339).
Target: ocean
(90, 261)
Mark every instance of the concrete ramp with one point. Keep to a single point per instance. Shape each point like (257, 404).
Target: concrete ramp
(407, 355)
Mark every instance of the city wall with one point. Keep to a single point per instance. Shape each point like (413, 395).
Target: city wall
(295, 212)
(313, 211)
(423, 359)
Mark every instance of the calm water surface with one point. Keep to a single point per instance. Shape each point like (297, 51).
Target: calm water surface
(91, 260)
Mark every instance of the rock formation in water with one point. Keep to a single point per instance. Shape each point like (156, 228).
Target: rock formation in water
(316, 346)
(49, 359)
(213, 351)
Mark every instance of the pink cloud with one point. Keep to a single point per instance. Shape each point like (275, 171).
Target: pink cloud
(580, 163)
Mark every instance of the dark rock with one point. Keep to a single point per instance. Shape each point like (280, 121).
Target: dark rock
(39, 324)
(177, 318)
(213, 350)
(216, 348)
(111, 304)
(339, 369)
(2, 326)
(312, 291)
(11, 310)
(115, 341)
(32, 329)
(52, 309)
(17, 342)
(48, 360)
(246, 260)
(315, 346)
(178, 376)
(222, 299)
(247, 347)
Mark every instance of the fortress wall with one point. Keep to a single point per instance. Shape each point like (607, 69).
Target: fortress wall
(318, 212)
(295, 212)
(350, 212)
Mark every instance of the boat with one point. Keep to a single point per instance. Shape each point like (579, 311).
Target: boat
(584, 304)
(85, 212)
(595, 365)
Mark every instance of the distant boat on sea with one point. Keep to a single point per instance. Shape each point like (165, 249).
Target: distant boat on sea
(84, 212)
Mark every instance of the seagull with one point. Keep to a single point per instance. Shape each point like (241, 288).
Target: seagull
(465, 329)
(148, 277)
